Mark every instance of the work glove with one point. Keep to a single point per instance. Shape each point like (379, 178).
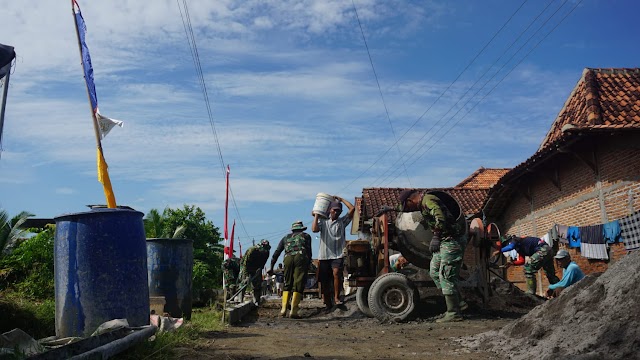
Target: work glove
(384, 209)
(434, 246)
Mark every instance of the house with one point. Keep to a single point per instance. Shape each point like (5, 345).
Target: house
(585, 172)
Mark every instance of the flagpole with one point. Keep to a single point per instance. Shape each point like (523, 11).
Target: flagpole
(94, 117)
(5, 91)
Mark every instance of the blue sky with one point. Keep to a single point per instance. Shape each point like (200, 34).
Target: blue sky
(294, 100)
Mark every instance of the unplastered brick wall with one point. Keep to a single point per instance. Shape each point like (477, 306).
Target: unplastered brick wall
(577, 202)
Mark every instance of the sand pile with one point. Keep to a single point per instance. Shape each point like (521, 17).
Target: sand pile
(597, 318)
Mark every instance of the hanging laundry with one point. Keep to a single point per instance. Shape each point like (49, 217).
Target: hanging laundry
(630, 231)
(594, 251)
(593, 244)
(562, 234)
(547, 239)
(611, 231)
(573, 235)
(592, 234)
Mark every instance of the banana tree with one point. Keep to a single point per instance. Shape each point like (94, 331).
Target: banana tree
(155, 226)
(10, 231)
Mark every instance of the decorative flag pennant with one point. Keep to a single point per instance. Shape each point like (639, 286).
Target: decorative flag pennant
(105, 124)
(102, 124)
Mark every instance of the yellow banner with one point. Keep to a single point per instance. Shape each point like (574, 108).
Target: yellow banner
(103, 177)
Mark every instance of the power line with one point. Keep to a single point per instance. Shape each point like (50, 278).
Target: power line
(440, 96)
(389, 171)
(386, 110)
(386, 174)
(188, 29)
(507, 74)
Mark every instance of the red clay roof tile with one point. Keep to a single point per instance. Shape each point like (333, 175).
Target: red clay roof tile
(482, 178)
(602, 97)
(373, 199)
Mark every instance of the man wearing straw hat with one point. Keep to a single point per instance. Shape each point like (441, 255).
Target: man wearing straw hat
(297, 250)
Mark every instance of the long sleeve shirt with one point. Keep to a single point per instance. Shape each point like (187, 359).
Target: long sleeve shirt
(571, 275)
(526, 246)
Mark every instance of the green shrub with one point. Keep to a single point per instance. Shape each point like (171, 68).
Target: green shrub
(29, 268)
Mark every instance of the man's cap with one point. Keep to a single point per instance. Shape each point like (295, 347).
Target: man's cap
(562, 254)
(297, 225)
(335, 205)
(404, 195)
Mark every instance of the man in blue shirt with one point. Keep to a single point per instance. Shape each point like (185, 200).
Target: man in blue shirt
(571, 273)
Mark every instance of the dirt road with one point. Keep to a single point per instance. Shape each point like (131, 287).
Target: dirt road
(345, 333)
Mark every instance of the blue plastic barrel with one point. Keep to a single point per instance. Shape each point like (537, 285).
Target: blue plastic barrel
(100, 270)
(170, 270)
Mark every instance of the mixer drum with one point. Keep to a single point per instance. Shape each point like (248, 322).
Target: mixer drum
(413, 238)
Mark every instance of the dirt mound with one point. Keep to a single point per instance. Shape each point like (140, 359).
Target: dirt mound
(597, 318)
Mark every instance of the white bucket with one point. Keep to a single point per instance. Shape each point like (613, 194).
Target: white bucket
(321, 206)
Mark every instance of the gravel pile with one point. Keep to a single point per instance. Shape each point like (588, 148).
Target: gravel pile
(597, 318)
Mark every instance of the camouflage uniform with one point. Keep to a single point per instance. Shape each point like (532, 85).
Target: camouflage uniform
(445, 264)
(252, 263)
(297, 249)
(540, 256)
(231, 271)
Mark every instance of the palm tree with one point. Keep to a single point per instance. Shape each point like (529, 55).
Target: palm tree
(154, 224)
(10, 231)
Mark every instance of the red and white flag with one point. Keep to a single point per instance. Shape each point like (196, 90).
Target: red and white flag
(227, 253)
(233, 230)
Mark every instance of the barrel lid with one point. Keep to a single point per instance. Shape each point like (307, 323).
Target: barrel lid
(95, 211)
(168, 240)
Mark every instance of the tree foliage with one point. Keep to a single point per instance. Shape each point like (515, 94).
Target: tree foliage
(29, 268)
(10, 231)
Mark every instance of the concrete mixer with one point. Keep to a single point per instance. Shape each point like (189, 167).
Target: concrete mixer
(394, 296)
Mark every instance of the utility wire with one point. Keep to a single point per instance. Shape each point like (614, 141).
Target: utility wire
(386, 110)
(500, 81)
(389, 171)
(439, 97)
(188, 29)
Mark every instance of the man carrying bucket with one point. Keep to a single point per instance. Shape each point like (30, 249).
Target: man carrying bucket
(332, 243)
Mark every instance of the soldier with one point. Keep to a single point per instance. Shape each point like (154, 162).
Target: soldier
(297, 250)
(447, 246)
(252, 263)
(540, 256)
(231, 271)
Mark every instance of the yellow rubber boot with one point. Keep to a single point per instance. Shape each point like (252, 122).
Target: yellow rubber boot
(285, 301)
(295, 302)
(531, 285)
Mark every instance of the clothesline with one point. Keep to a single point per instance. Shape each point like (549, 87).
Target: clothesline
(593, 240)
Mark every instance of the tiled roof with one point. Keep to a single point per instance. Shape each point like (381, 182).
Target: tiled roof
(373, 199)
(602, 99)
(482, 178)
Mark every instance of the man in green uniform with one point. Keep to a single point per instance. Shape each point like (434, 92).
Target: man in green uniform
(252, 263)
(231, 271)
(297, 256)
(447, 246)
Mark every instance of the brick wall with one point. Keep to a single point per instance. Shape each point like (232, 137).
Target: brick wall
(579, 201)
